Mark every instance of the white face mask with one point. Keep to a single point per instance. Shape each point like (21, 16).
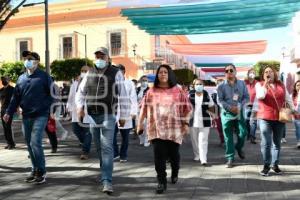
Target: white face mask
(252, 75)
(100, 64)
(82, 75)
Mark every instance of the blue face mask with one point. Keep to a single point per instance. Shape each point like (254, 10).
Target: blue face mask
(199, 88)
(100, 64)
(144, 84)
(28, 64)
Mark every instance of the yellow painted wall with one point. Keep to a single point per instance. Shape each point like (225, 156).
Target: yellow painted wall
(95, 29)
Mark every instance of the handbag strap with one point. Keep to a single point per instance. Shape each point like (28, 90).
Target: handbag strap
(274, 97)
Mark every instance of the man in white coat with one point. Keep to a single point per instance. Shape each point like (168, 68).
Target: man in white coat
(80, 129)
(125, 130)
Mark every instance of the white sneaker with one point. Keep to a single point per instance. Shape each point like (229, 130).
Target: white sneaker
(196, 159)
(146, 144)
(64, 136)
(283, 140)
(116, 158)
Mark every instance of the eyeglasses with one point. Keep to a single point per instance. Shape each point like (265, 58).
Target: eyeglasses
(229, 71)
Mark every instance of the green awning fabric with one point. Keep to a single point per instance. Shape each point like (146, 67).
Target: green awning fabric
(232, 16)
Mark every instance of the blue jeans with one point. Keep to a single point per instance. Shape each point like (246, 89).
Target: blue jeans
(250, 122)
(124, 145)
(33, 130)
(253, 127)
(268, 129)
(297, 126)
(103, 134)
(84, 136)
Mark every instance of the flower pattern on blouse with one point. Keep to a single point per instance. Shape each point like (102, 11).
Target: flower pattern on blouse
(166, 109)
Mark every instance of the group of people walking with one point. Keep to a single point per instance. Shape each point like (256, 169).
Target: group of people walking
(103, 103)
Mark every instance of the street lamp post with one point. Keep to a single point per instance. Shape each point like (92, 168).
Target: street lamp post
(85, 45)
(47, 56)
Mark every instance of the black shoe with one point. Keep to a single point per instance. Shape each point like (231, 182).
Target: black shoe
(252, 141)
(31, 177)
(241, 154)
(40, 178)
(54, 150)
(174, 179)
(161, 187)
(229, 164)
(276, 169)
(7, 146)
(265, 171)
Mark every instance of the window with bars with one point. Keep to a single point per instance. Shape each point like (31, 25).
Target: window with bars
(116, 43)
(157, 46)
(22, 45)
(67, 47)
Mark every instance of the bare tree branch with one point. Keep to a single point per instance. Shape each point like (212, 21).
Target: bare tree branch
(11, 13)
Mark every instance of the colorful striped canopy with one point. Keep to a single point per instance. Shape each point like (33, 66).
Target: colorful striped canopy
(226, 48)
(231, 16)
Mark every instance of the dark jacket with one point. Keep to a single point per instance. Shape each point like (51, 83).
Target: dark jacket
(105, 91)
(5, 97)
(32, 94)
(205, 115)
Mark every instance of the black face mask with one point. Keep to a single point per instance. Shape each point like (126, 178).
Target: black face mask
(5, 83)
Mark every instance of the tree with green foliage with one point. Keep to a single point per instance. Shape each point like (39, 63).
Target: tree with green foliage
(184, 76)
(14, 70)
(66, 70)
(259, 66)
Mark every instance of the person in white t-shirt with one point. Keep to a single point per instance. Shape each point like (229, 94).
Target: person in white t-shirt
(201, 120)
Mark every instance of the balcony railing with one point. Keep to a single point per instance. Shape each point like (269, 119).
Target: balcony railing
(295, 54)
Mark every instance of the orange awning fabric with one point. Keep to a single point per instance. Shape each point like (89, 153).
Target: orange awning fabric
(222, 69)
(226, 48)
(130, 67)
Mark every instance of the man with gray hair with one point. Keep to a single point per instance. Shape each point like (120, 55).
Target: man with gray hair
(103, 89)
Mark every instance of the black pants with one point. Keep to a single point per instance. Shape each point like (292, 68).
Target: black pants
(52, 138)
(248, 114)
(163, 150)
(7, 131)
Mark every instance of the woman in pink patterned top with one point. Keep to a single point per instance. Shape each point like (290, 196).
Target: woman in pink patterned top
(167, 110)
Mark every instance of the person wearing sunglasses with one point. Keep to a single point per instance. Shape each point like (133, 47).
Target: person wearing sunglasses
(232, 96)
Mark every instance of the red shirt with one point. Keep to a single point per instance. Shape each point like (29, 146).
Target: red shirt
(251, 90)
(296, 104)
(268, 108)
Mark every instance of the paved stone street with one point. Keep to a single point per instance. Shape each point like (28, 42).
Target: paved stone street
(71, 178)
